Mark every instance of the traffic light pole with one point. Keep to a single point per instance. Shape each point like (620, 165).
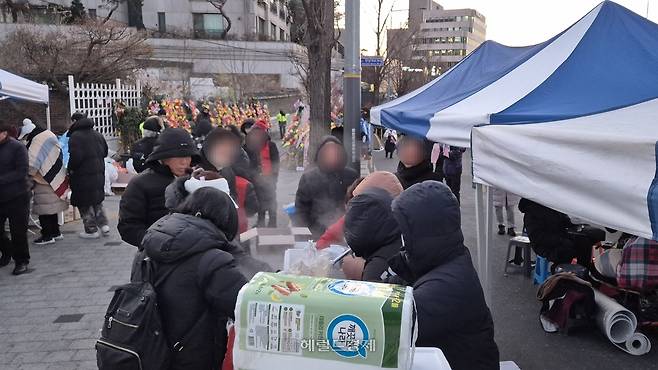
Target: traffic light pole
(352, 85)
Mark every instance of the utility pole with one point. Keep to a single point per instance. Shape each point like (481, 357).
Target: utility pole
(352, 85)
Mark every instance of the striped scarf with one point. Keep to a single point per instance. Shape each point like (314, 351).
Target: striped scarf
(45, 155)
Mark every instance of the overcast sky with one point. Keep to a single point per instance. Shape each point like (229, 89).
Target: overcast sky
(511, 22)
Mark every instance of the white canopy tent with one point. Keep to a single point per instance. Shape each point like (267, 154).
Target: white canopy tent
(16, 87)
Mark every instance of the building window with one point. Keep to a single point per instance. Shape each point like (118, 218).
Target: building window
(208, 26)
(282, 35)
(260, 26)
(162, 22)
(274, 8)
(92, 13)
(262, 4)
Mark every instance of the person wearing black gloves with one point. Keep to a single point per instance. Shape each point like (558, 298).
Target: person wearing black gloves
(452, 312)
(14, 201)
(415, 161)
(372, 233)
(320, 197)
(143, 202)
(198, 297)
(143, 147)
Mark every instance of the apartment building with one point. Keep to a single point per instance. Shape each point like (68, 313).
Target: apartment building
(263, 20)
(439, 38)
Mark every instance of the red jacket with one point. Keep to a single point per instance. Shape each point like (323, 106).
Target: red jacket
(333, 234)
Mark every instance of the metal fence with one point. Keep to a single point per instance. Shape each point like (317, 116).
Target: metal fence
(97, 100)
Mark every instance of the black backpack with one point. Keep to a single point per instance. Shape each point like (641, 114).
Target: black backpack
(132, 337)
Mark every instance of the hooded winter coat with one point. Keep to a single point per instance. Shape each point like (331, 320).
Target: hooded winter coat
(452, 312)
(320, 198)
(143, 202)
(86, 166)
(199, 296)
(372, 232)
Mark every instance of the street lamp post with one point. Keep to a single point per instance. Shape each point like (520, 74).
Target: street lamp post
(352, 85)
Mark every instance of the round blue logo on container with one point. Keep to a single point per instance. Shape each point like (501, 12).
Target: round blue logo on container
(348, 336)
(350, 288)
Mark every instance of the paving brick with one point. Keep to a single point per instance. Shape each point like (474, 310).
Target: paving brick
(86, 354)
(59, 356)
(28, 358)
(83, 344)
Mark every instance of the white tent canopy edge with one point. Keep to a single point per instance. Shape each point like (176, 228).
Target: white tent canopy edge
(17, 87)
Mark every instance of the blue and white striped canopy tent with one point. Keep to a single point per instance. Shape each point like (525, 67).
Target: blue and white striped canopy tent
(572, 124)
(602, 62)
(585, 141)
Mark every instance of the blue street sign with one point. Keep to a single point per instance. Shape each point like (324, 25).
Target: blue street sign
(373, 61)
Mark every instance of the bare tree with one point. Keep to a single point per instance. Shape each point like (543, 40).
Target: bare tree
(134, 11)
(93, 52)
(219, 5)
(320, 41)
(14, 8)
(300, 62)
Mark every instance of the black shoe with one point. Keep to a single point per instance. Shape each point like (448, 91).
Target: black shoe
(517, 262)
(510, 232)
(501, 229)
(5, 259)
(20, 269)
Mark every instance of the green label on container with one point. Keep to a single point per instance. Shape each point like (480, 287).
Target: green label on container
(322, 318)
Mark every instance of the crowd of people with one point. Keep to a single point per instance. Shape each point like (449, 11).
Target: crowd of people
(197, 190)
(38, 177)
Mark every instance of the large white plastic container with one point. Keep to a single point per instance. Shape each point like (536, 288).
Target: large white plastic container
(286, 322)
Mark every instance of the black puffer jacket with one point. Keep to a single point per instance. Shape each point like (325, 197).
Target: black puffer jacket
(140, 151)
(372, 232)
(143, 202)
(86, 167)
(416, 174)
(452, 312)
(547, 230)
(320, 198)
(14, 170)
(204, 286)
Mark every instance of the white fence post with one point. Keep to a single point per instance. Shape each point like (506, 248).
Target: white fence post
(97, 99)
(71, 94)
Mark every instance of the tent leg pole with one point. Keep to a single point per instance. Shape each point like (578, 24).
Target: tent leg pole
(488, 241)
(48, 117)
(481, 219)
